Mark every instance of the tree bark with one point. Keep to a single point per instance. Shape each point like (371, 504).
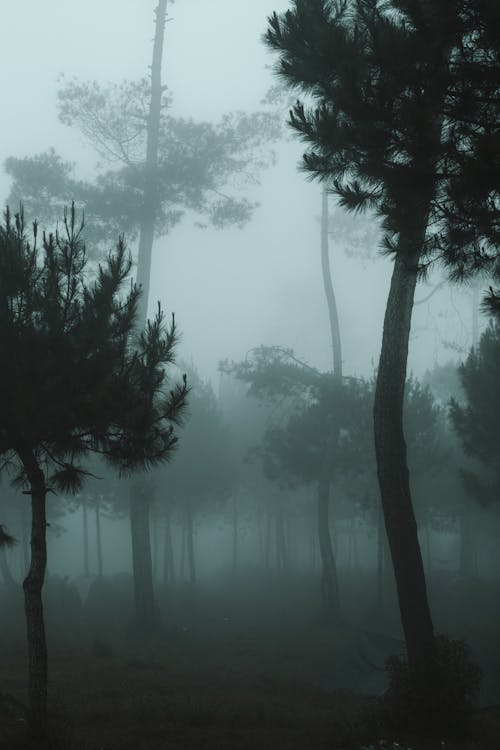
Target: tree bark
(190, 544)
(392, 467)
(168, 552)
(98, 537)
(8, 579)
(32, 586)
(139, 510)
(145, 606)
(85, 523)
(329, 584)
(234, 563)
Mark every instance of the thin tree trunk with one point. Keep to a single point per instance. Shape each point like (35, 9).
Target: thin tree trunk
(98, 537)
(32, 586)
(329, 584)
(183, 547)
(190, 544)
(85, 522)
(145, 606)
(8, 579)
(392, 464)
(139, 511)
(380, 561)
(168, 552)
(25, 534)
(234, 562)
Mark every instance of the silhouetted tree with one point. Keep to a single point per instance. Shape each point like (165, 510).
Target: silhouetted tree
(80, 380)
(392, 87)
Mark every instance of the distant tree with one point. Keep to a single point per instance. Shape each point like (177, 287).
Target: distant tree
(80, 380)
(476, 419)
(159, 166)
(205, 471)
(397, 124)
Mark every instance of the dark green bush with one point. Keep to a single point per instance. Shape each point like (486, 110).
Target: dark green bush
(441, 707)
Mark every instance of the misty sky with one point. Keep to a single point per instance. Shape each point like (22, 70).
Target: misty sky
(235, 289)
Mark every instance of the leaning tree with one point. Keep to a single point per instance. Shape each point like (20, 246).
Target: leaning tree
(81, 378)
(401, 117)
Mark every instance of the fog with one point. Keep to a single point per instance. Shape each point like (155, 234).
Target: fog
(246, 600)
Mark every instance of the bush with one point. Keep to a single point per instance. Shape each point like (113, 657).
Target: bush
(443, 706)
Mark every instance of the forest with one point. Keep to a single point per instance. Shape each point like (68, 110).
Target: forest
(250, 402)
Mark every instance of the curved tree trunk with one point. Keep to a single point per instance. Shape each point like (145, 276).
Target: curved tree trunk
(392, 467)
(329, 584)
(32, 585)
(139, 512)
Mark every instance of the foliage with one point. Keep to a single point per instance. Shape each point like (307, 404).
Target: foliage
(476, 420)
(460, 681)
(202, 166)
(80, 378)
(204, 468)
(379, 79)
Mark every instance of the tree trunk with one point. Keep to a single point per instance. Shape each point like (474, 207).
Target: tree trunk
(329, 584)
(392, 465)
(190, 544)
(8, 580)
(32, 585)
(281, 549)
(139, 510)
(145, 607)
(85, 522)
(168, 552)
(234, 562)
(98, 537)
(380, 561)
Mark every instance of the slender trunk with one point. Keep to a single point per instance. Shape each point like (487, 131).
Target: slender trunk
(329, 292)
(8, 579)
(168, 552)
(380, 561)
(329, 584)
(183, 547)
(139, 510)
(234, 562)
(145, 607)
(281, 550)
(392, 464)
(98, 537)
(267, 554)
(190, 544)
(85, 521)
(25, 536)
(32, 586)
(466, 540)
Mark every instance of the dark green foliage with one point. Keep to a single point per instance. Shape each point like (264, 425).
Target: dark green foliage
(442, 708)
(402, 103)
(78, 378)
(476, 421)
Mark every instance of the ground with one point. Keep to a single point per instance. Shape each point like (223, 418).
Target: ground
(251, 666)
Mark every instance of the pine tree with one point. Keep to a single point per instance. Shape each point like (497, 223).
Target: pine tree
(402, 118)
(79, 379)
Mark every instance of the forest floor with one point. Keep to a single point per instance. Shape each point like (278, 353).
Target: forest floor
(229, 670)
